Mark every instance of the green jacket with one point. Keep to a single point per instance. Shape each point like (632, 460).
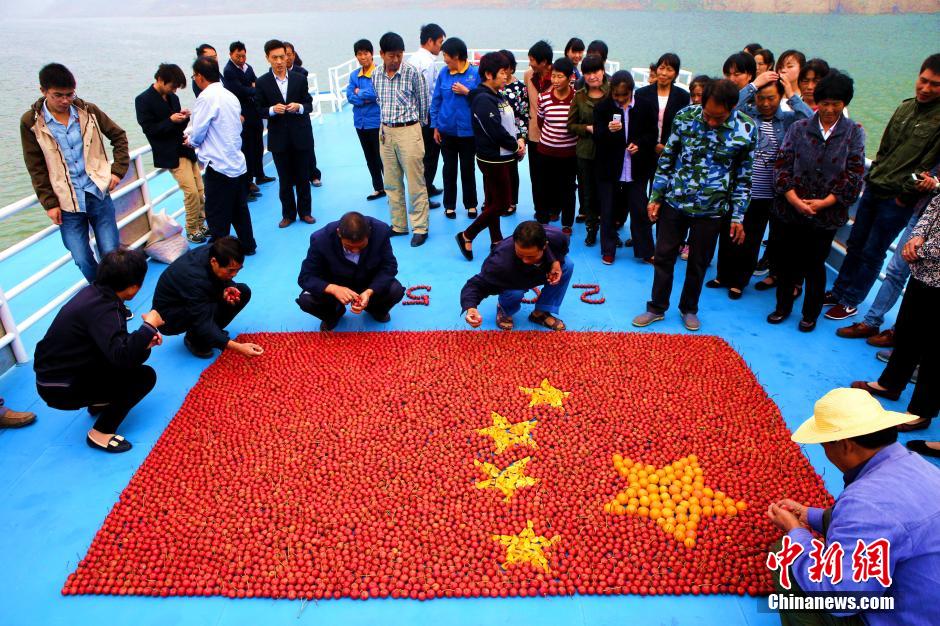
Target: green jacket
(580, 116)
(909, 145)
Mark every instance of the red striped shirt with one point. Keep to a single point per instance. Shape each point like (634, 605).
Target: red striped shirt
(554, 138)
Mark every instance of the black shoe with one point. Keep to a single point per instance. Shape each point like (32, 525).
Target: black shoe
(434, 191)
(628, 243)
(253, 188)
(462, 244)
(580, 219)
(777, 317)
(829, 299)
(116, 444)
(385, 319)
(395, 233)
(418, 239)
(201, 353)
(328, 325)
(375, 195)
(807, 326)
(762, 286)
(433, 205)
(253, 197)
(920, 447)
(735, 294)
(472, 213)
(263, 180)
(450, 214)
(590, 238)
(713, 284)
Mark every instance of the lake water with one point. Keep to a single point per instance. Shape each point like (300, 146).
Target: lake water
(113, 59)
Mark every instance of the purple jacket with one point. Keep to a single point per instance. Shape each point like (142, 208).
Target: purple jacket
(816, 167)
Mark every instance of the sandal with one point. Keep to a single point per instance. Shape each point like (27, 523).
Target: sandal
(503, 321)
(542, 318)
(116, 444)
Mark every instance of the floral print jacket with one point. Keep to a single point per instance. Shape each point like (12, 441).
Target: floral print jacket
(518, 98)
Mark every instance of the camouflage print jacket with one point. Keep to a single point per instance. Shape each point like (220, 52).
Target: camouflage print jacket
(706, 172)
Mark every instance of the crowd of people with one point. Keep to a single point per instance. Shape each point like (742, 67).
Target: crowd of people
(766, 153)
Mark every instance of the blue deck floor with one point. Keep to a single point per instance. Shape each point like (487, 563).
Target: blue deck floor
(55, 492)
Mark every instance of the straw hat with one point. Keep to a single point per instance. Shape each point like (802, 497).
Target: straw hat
(845, 413)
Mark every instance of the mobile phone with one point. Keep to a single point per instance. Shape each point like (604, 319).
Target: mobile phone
(616, 117)
(915, 178)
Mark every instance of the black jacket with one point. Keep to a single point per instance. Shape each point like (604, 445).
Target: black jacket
(89, 336)
(289, 130)
(679, 98)
(325, 262)
(241, 84)
(187, 295)
(165, 137)
(489, 133)
(609, 147)
(299, 69)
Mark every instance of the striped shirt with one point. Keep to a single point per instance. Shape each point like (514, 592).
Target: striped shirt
(762, 180)
(403, 97)
(555, 139)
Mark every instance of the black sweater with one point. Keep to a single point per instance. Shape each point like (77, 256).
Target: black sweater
(89, 336)
(491, 138)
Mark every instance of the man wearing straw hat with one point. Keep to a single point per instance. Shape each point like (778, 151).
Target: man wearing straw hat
(890, 495)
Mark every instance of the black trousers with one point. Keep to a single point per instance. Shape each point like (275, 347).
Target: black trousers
(802, 250)
(587, 194)
(463, 150)
(736, 263)
(558, 182)
(314, 170)
(253, 148)
(227, 207)
(536, 177)
(327, 308)
(616, 201)
(915, 343)
(497, 196)
(514, 181)
(431, 152)
(121, 389)
(293, 177)
(670, 232)
(369, 140)
(221, 315)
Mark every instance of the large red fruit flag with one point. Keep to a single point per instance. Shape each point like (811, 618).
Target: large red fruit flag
(455, 464)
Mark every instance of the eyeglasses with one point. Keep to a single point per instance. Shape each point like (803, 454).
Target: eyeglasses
(58, 95)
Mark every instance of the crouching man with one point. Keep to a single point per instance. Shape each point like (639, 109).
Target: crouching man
(534, 255)
(350, 262)
(197, 296)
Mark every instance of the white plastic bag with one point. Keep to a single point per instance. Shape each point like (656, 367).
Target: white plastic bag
(166, 242)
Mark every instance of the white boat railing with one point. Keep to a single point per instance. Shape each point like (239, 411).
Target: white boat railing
(139, 179)
(339, 74)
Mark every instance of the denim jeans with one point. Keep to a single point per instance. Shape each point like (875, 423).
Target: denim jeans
(550, 298)
(99, 214)
(878, 222)
(896, 275)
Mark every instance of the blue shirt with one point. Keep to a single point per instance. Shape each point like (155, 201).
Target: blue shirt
(892, 496)
(71, 144)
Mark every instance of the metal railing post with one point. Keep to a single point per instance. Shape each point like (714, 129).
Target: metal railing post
(9, 325)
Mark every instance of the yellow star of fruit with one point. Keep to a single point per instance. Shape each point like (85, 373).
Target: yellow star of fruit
(545, 393)
(506, 480)
(506, 435)
(527, 547)
(674, 496)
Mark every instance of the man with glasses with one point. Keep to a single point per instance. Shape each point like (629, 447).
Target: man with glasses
(63, 147)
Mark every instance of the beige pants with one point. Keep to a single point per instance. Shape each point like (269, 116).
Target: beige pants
(402, 151)
(189, 178)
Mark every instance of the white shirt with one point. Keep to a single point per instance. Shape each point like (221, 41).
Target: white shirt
(423, 61)
(282, 86)
(216, 132)
(826, 133)
(626, 173)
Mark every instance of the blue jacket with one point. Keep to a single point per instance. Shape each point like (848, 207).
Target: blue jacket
(782, 119)
(366, 111)
(326, 263)
(450, 113)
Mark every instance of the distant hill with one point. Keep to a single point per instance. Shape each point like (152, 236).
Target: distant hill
(154, 8)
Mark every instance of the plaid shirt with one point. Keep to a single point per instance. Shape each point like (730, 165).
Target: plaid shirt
(403, 97)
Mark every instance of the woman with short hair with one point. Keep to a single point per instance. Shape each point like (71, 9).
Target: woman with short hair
(666, 98)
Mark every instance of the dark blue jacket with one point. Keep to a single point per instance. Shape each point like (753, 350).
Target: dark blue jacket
(286, 130)
(242, 85)
(504, 271)
(366, 111)
(89, 335)
(494, 126)
(165, 136)
(450, 112)
(187, 295)
(326, 264)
